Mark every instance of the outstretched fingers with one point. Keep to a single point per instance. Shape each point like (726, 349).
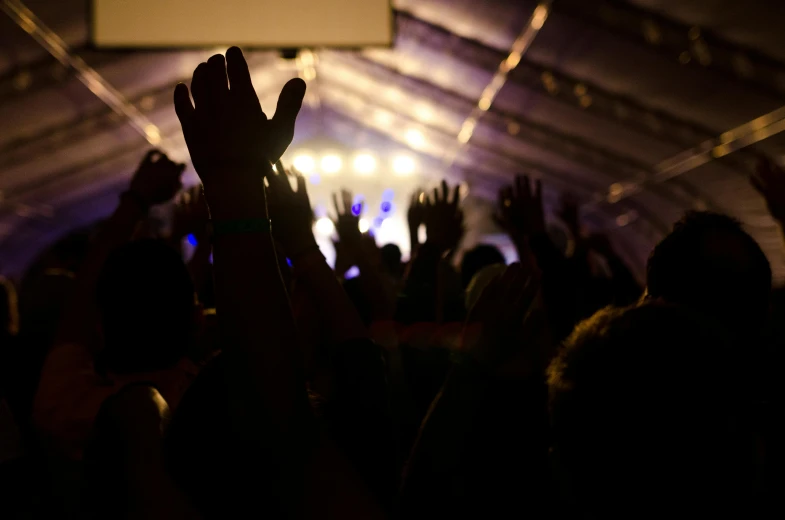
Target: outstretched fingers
(237, 71)
(184, 108)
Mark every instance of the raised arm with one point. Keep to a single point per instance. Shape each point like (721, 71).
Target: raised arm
(444, 227)
(156, 181)
(231, 143)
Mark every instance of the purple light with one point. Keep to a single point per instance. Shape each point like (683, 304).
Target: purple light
(289, 262)
(357, 209)
(377, 222)
(192, 240)
(388, 195)
(386, 207)
(352, 272)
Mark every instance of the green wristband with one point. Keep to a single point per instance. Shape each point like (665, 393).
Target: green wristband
(240, 226)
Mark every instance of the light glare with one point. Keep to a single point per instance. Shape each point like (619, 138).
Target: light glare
(304, 163)
(414, 138)
(364, 163)
(324, 226)
(364, 225)
(331, 163)
(403, 165)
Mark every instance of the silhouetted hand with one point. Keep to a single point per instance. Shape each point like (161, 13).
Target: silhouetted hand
(290, 211)
(231, 141)
(190, 213)
(568, 213)
(443, 219)
(157, 180)
(415, 214)
(520, 211)
(347, 223)
(505, 325)
(770, 182)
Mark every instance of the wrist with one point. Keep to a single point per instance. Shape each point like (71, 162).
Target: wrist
(301, 247)
(229, 206)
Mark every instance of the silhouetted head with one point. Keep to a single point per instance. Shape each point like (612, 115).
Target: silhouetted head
(643, 408)
(709, 262)
(146, 301)
(475, 259)
(391, 259)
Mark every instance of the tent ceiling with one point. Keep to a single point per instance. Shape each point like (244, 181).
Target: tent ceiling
(607, 92)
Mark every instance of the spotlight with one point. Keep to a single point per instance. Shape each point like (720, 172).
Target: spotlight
(304, 163)
(414, 138)
(364, 163)
(331, 163)
(364, 225)
(403, 165)
(324, 226)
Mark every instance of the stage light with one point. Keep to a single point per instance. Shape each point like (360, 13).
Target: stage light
(324, 226)
(304, 163)
(403, 165)
(388, 195)
(331, 163)
(386, 206)
(364, 163)
(364, 225)
(414, 138)
(192, 240)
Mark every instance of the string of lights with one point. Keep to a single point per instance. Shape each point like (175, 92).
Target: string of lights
(60, 50)
(519, 47)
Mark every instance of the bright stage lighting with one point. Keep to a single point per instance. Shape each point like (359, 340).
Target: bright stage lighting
(364, 225)
(304, 163)
(403, 165)
(414, 138)
(331, 163)
(364, 163)
(324, 226)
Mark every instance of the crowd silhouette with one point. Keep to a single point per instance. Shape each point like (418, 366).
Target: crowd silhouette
(254, 380)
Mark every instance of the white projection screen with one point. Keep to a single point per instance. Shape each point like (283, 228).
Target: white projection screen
(279, 24)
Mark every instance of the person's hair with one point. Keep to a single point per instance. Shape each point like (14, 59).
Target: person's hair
(475, 259)
(708, 261)
(643, 411)
(146, 301)
(391, 259)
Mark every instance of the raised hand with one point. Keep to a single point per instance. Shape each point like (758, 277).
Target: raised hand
(503, 326)
(347, 220)
(157, 180)
(190, 213)
(569, 213)
(443, 218)
(520, 211)
(290, 211)
(770, 182)
(231, 141)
